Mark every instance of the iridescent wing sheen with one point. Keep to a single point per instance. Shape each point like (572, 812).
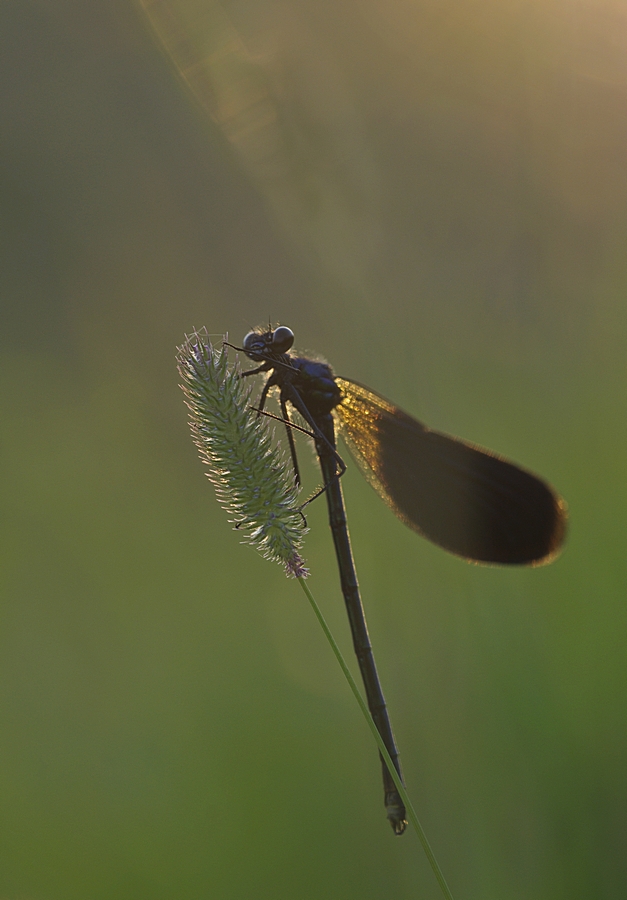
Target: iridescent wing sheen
(466, 499)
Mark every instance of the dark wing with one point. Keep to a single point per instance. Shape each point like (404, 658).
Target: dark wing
(464, 498)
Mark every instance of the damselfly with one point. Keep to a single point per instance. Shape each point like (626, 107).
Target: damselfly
(464, 498)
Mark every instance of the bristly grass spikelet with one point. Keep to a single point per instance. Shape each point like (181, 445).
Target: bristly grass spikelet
(253, 482)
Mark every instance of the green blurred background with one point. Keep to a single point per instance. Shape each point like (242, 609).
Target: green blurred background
(432, 194)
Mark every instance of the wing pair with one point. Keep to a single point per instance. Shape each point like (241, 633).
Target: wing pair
(466, 499)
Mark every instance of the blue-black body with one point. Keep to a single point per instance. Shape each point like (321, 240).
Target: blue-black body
(310, 387)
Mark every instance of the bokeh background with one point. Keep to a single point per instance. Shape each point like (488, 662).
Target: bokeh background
(433, 195)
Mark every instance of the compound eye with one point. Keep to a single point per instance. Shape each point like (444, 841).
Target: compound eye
(282, 339)
(251, 341)
(255, 345)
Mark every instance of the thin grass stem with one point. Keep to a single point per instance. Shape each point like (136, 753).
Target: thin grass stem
(411, 813)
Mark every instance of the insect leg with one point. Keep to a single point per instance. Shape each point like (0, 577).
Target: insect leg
(263, 368)
(297, 401)
(290, 440)
(263, 397)
(320, 438)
